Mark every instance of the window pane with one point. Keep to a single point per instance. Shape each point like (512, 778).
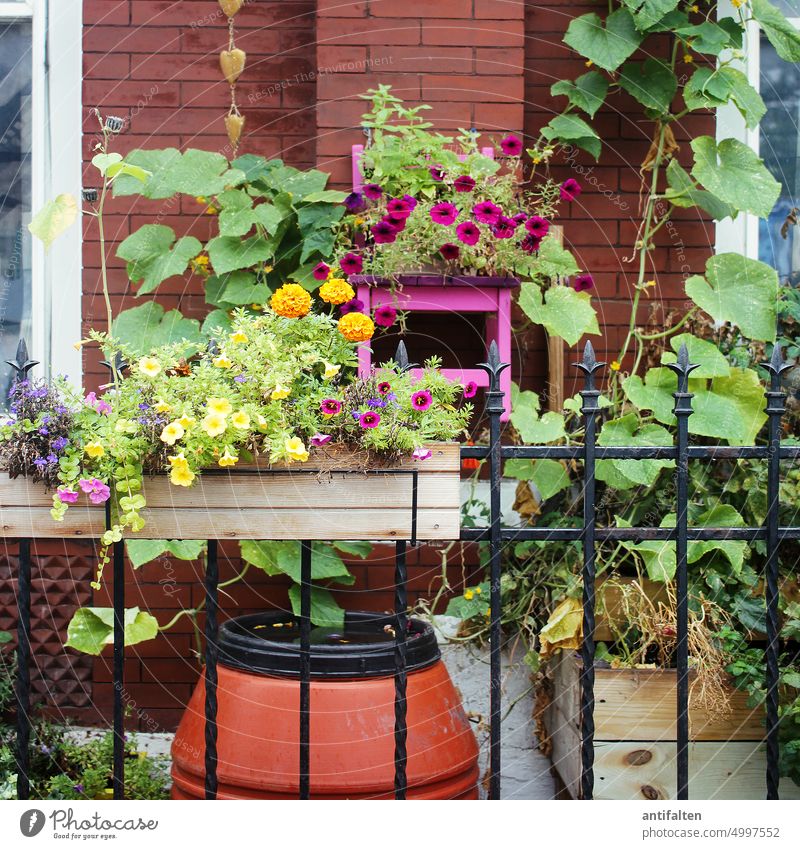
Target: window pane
(780, 148)
(790, 8)
(15, 192)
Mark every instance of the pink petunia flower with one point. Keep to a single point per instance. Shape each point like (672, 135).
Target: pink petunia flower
(511, 145)
(470, 389)
(422, 453)
(444, 213)
(537, 226)
(468, 233)
(373, 191)
(384, 387)
(330, 406)
(583, 282)
(569, 189)
(90, 399)
(351, 263)
(369, 419)
(465, 183)
(503, 228)
(399, 207)
(486, 212)
(353, 305)
(103, 407)
(97, 490)
(66, 495)
(321, 271)
(530, 244)
(384, 233)
(449, 251)
(410, 200)
(520, 217)
(421, 400)
(437, 173)
(385, 315)
(320, 439)
(397, 221)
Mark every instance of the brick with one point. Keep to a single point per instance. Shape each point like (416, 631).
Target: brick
(341, 9)
(339, 87)
(108, 66)
(102, 39)
(105, 12)
(424, 59)
(490, 34)
(420, 9)
(499, 10)
(478, 89)
(505, 60)
(352, 31)
(339, 58)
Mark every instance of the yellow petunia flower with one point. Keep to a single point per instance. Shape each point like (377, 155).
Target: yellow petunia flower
(228, 459)
(261, 422)
(296, 449)
(162, 406)
(94, 449)
(239, 338)
(240, 420)
(280, 392)
(178, 460)
(149, 366)
(186, 420)
(181, 475)
(214, 424)
(172, 433)
(218, 405)
(222, 361)
(330, 370)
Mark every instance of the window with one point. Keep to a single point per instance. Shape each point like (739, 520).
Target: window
(40, 157)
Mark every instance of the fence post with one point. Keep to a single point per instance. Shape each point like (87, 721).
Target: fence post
(682, 411)
(590, 408)
(494, 409)
(306, 552)
(212, 655)
(775, 409)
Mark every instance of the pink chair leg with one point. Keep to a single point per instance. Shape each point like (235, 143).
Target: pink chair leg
(364, 350)
(504, 346)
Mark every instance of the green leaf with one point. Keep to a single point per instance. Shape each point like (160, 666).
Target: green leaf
(548, 476)
(229, 254)
(318, 242)
(284, 558)
(318, 216)
(468, 608)
(706, 37)
(54, 218)
(587, 93)
(202, 173)
(625, 474)
(269, 216)
(564, 312)
(652, 83)
(325, 612)
(709, 88)
(571, 128)
(236, 289)
(153, 255)
(733, 173)
(158, 164)
(649, 12)
(783, 36)
(124, 168)
(740, 290)
(706, 355)
(554, 261)
(607, 45)
(102, 161)
(299, 184)
(186, 549)
(356, 548)
(327, 196)
(255, 167)
(682, 193)
(216, 320)
(92, 628)
(236, 215)
(532, 428)
(147, 326)
(141, 551)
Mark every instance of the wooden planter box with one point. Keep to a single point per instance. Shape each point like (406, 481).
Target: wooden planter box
(326, 498)
(635, 739)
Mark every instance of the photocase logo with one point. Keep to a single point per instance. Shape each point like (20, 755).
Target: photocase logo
(31, 822)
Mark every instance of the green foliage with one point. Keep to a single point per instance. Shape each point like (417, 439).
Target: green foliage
(92, 628)
(147, 327)
(561, 310)
(605, 43)
(54, 218)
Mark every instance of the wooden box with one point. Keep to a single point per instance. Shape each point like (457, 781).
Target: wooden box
(635, 739)
(327, 498)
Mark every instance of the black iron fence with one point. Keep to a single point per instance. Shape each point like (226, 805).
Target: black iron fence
(496, 535)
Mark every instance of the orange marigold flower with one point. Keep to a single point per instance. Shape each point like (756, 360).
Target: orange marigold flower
(356, 327)
(336, 291)
(291, 301)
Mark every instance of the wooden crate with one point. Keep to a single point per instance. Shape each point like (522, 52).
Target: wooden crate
(269, 503)
(635, 739)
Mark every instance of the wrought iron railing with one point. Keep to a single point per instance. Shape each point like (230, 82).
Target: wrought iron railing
(496, 535)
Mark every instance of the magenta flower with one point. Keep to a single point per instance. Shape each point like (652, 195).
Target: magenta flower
(421, 453)
(504, 227)
(449, 251)
(321, 271)
(583, 282)
(397, 221)
(103, 407)
(66, 495)
(373, 191)
(530, 244)
(511, 145)
(470, 389)
(468, 233)
(486, 212)
(369, 419)
(384, 233)
(351, 263)
(437, 173)
(97, 490)
(537, 226)
(520, 217)
(464, 183)
(385, 315)
(421, 400)
(353, 305)
(569, 189)
(411, 201)
(354, 202)
(384, 387)
(90, 399)
(319, 439)
(399, 207)
(444, 213)
(331, 407)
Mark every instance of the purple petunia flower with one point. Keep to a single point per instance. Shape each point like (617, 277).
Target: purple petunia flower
(422, 453)
(373, 191)
(351, 263)
(511, 145)
(369, 419)
(583, 282)
(399, 207)
(437, 173)
(331, 407)
(470, 389)
(384, 233)
(465, 183)
(449, 251)
(385, 315)
(319, 439)
(410, 200)
(486, 212)
(397, 221)
(444, 213)
(321, 271)
(503, 228)
(537, 226)
(569, 189)
(530, 244)
(421, 400)
(353, 305)
(468, 233)
(354, 202)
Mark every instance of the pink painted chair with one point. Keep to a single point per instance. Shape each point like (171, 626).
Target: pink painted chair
(436, 293)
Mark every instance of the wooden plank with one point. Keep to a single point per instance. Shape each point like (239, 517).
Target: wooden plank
(730, 770)
(555, 354)
(173, 523)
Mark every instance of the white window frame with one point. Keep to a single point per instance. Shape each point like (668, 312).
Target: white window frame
(740, 235)
(57, 56)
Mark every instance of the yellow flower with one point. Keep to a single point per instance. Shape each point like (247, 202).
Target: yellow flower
(149, 366)
(478, 590)
(186, 420)
(358, 221)
(356, 327)
(336, 291)
(239, 337)
(736, 4)
(222, 361)
(537, 158)
(695, 8)
(218, 405)
(280, 392)
(228, 459)
(94, 449)
(296, 449)
(261, 422)
(588, 63)
(257, 307)
(469, 595)
(240, 420)
(615, 366)
(201, 200)
(181, 475)
(649, 282)
(330, 370)
(178, 460)
(214, 424)
(212, 210)
(162, 406)
(200, 260)
(687, 59)
(291, 301)
(172, 433)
